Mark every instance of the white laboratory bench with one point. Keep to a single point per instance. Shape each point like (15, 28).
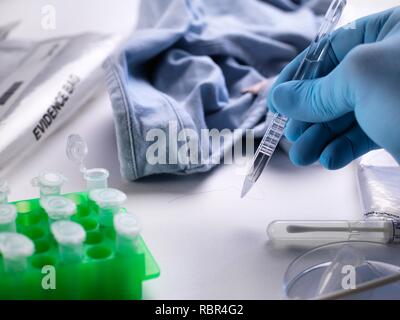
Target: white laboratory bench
(209, 243)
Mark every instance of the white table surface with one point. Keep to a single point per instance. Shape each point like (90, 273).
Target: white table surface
(209, 243)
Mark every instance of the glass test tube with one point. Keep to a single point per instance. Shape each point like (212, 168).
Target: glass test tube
(128, 230)
(109, 201)
(383, 231)
(70, 237)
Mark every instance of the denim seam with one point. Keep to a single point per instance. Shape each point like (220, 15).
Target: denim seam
(180, 121)
(128, 121)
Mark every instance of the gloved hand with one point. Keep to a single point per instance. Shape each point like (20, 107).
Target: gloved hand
(354, 104)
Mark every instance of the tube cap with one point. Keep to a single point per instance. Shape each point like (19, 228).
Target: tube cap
(77, 150)
(49, 179)
(126, 224)
(8, 213)
(108, 197)
(15, 245)
(68, 232)
(58, 207)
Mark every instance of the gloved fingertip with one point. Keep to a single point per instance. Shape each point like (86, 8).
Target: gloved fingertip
(295, 158)
(330, 161)
(290, 135)
(280, 97)
(294, 130)
(325, 161)
(337, 155)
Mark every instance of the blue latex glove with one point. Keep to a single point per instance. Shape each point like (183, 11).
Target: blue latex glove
(354, 104)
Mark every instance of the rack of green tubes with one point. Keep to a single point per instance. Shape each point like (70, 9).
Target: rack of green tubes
(105, 266)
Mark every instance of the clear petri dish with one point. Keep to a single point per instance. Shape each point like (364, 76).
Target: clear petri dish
(342, 266)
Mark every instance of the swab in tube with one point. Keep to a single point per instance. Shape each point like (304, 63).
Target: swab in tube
(8, 215)
(15, 248)
(70, 237)
(383, 231)
(128, 230)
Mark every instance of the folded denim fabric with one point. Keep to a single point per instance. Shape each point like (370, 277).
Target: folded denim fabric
(187, 65)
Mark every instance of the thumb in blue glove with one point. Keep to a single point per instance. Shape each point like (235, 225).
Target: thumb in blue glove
(353, 106)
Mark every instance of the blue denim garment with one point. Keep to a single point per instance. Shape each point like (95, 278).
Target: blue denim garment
(188, 62)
